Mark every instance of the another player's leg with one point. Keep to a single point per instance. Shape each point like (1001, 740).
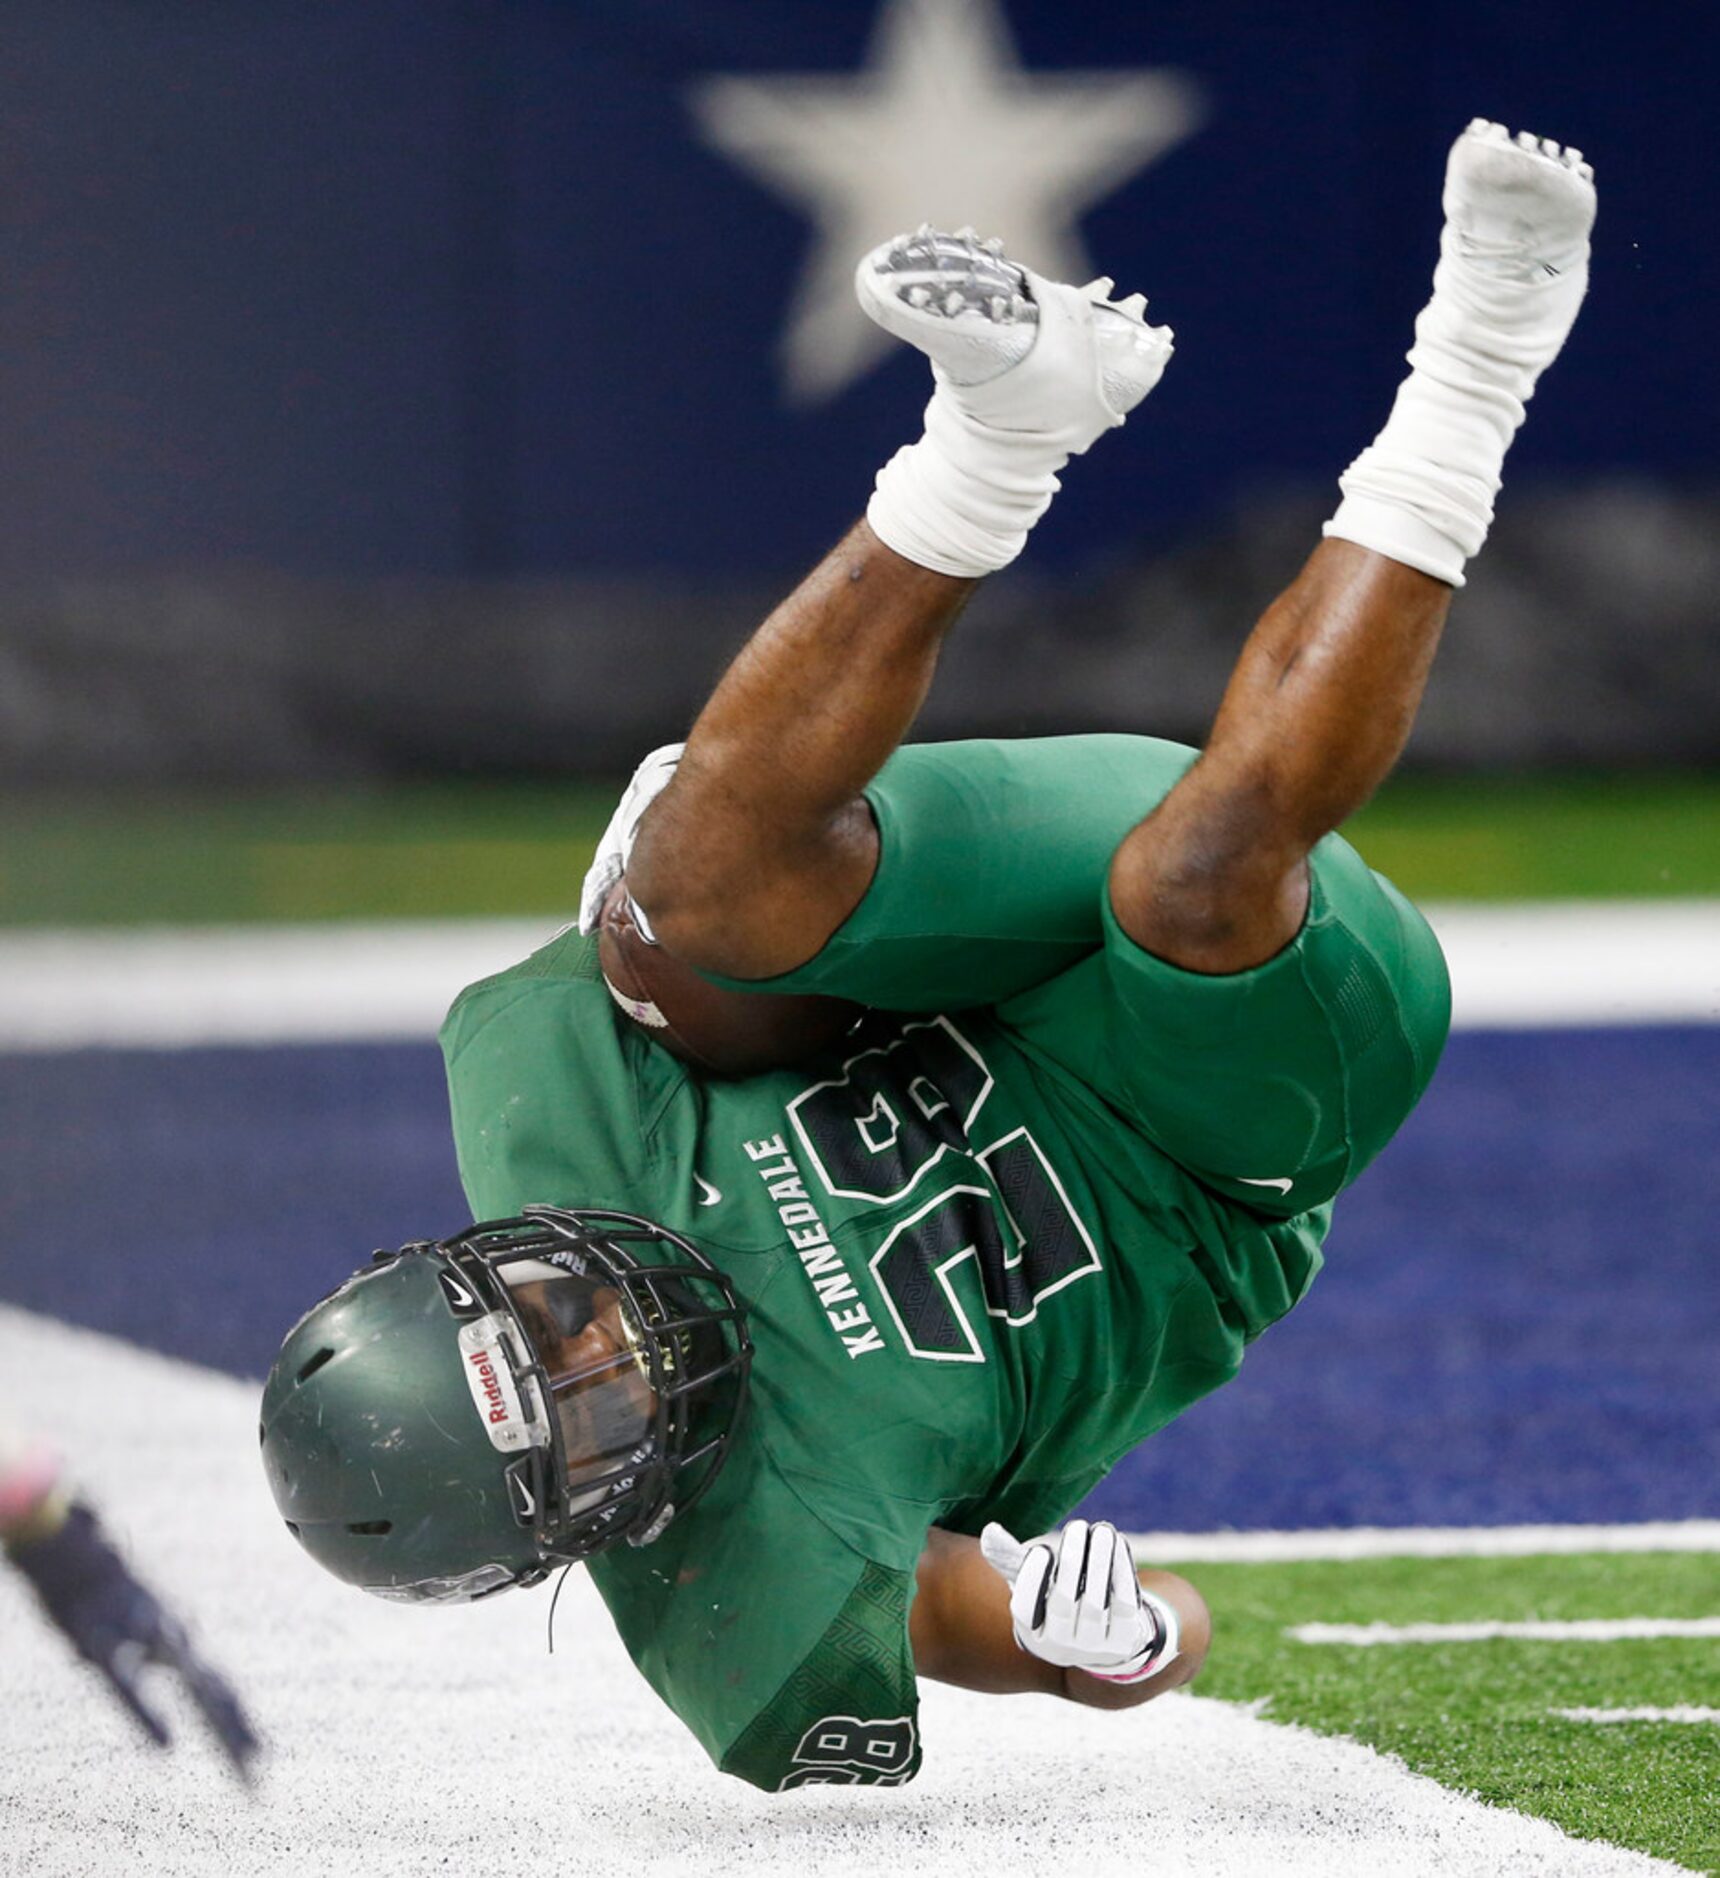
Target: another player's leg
(762, 846)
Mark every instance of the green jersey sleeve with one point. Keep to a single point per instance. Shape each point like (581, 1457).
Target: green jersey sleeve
(780, 1646)
(551, 1100)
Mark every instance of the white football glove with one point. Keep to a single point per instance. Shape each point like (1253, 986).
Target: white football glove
(616, 847)
(1077, 1602)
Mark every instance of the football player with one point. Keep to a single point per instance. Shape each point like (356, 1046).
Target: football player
(793, 1357)
(114, 1622)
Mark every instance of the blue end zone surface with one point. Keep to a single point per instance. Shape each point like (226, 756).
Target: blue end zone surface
(1517, 1321)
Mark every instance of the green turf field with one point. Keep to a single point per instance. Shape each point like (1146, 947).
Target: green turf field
(435, 850)
(1482, 1716)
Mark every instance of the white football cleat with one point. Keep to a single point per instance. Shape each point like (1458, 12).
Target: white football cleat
(1018, 352)
(957, 298)
(1513, 268)
(1519, 206)
(1515, 250)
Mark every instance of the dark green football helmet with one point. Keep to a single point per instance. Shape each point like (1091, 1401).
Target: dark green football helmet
(461, 1416)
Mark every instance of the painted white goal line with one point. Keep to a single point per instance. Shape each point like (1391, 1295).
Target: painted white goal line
(1684, 1712)
(1529, 966)
(391, 1734)
(1571, 1630)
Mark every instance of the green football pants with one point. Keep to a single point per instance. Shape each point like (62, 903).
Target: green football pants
(1276, 1085)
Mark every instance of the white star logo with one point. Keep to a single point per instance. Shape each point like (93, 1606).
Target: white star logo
(944, 126)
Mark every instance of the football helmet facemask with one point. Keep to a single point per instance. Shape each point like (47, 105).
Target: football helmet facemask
(462, 1416)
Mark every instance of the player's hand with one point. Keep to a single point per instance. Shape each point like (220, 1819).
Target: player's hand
(1077, 1602)
(613, 851)
(87, 1588)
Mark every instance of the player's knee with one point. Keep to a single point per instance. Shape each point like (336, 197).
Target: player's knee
(685, 925)
(747, 900)
(1216, 884)
(694, 886)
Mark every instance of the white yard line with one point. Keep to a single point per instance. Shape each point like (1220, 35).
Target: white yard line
(1684, 1713)
(1582, 962)
(1246, 1548)
(1532, 966)
(1572, 1630)
(407, 1741)
(166, 987)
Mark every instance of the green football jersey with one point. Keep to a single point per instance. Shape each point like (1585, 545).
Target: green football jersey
(971, 1286)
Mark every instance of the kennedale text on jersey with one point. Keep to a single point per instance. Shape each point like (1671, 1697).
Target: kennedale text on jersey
(849, 1318)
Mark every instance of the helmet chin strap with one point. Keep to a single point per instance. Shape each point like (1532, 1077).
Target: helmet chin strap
(555, 1599)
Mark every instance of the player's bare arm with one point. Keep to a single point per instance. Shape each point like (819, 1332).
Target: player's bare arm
(963, 1632)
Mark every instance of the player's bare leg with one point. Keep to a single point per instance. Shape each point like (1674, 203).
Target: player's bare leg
(1327, 687)
(1315, 715)
(761, 845)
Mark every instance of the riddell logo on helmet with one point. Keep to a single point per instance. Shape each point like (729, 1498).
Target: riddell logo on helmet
(495, 1394)
(490, 1383)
